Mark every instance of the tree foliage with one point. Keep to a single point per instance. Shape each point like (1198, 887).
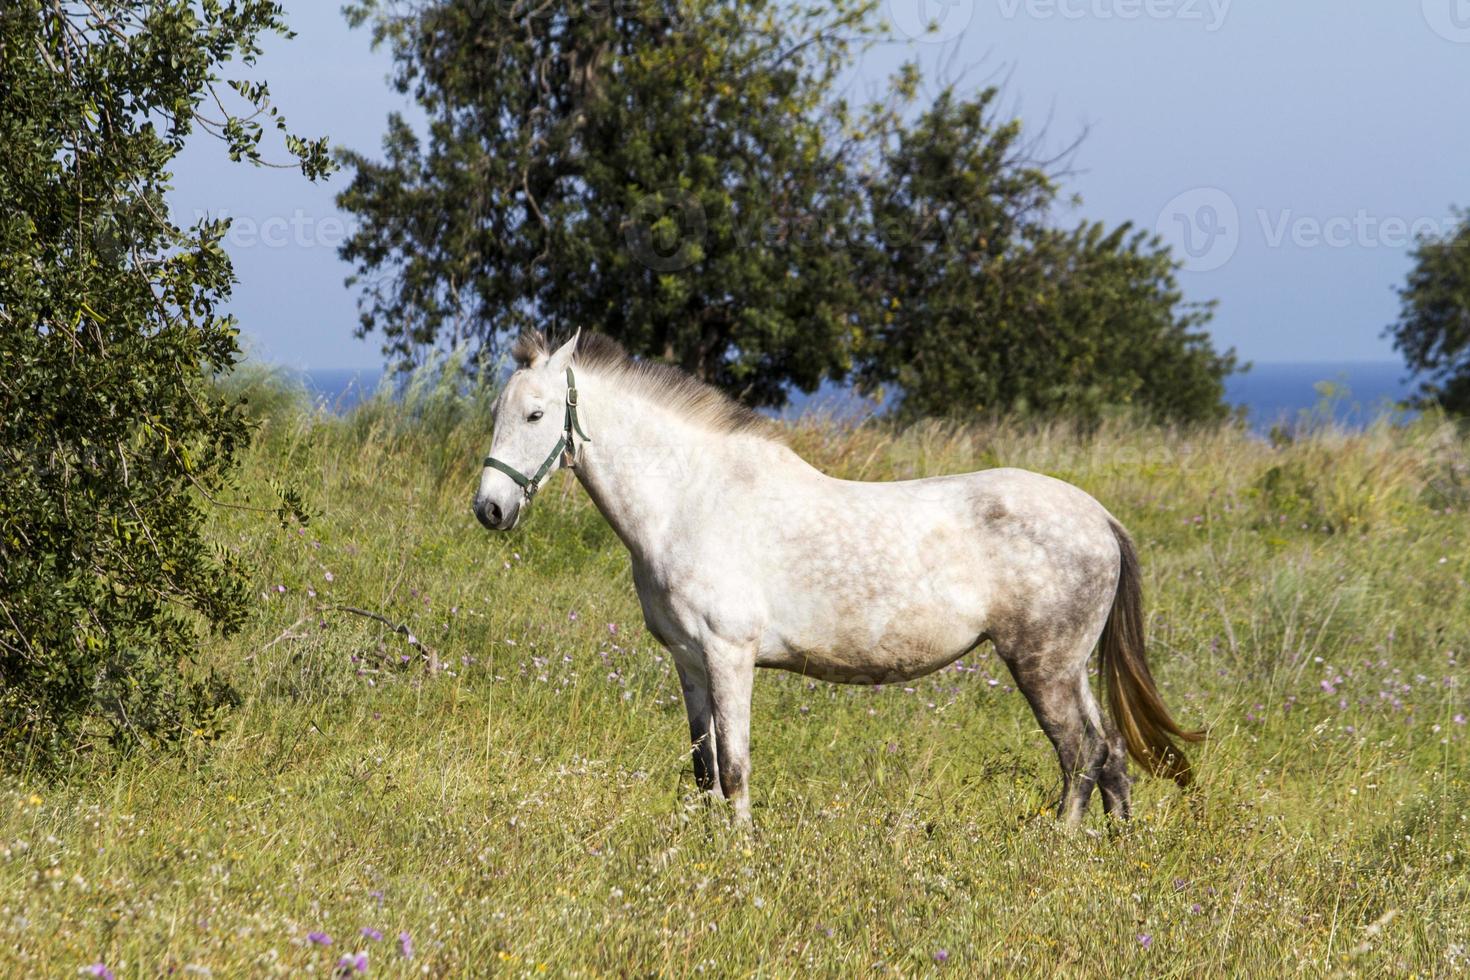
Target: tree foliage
(685, 175)
(986, 306)
(1433, 329)
(110, 431)
(632, 165)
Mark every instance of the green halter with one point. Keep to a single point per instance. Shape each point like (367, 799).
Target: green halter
(566, 444)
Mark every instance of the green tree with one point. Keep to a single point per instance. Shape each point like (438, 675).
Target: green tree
(110, 431)
(675, 173)
(682, 175)
(1433, 329)
(986, 306)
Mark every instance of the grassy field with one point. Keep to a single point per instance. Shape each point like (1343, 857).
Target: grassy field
(530, 808)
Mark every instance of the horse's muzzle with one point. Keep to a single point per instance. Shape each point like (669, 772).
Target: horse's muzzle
(493, 516)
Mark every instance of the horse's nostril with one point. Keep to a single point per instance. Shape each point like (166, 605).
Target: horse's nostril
(489, 515)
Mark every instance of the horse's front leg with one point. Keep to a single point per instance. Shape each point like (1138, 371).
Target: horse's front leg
(700, 708)
(730, 668)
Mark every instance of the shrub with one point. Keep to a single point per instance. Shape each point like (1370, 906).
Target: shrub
(111, 434)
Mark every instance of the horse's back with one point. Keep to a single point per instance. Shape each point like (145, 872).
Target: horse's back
(865, 581)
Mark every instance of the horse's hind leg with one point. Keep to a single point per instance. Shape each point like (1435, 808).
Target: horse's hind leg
(1113, 778)
(1056, 688)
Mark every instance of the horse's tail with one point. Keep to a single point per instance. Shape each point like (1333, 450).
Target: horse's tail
(1137, 709)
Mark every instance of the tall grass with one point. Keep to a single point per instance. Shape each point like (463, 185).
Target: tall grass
(529, 809)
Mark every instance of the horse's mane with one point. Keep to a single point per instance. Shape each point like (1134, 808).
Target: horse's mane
(664, 384)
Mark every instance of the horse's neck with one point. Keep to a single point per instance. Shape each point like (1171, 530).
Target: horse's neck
(638, 457)
(643, 462)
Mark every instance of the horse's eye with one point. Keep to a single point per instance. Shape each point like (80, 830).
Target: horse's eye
(535, 416)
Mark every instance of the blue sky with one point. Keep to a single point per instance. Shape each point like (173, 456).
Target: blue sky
(1289, 150)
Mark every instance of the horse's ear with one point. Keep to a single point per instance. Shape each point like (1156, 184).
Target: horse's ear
(564, 354)
(529, 349)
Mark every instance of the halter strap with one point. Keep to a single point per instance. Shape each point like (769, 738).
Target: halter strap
(566, 444)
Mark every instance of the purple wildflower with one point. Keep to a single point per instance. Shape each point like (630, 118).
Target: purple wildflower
(405, 945)
(1145, 940)
(100, 969)
(941, 956)
(371, 933)
(320, 938)
(349, 965)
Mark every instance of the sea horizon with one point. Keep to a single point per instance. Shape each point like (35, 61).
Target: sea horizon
(1272, 393)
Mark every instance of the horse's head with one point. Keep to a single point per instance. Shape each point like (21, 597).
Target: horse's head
(535, 425)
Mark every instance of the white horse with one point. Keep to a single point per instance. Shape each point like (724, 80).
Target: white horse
(745, 556)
